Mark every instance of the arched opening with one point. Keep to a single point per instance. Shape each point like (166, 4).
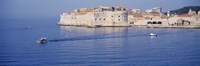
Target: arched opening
(131, 22)
(154, 22)
(149, 22)
(159, 22)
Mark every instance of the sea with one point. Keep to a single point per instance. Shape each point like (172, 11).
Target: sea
(102, 46)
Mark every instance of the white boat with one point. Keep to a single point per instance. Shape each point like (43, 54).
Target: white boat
(153, 34)
(42, 40)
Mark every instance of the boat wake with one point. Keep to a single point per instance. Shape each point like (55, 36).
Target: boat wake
(94, 38)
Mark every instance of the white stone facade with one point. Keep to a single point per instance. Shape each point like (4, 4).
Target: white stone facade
(120, 16)
(135, 11)
(160, 20)
(96, 18)
(156, 9)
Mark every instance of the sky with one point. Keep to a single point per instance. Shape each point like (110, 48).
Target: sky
(52, 9)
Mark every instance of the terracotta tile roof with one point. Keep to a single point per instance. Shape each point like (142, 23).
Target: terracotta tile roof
(153, 14)
(91, 10)
(137, 15)
(80, 13)
(185, 15)
(165, 17)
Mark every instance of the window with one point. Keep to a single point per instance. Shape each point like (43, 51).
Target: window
(104, 19)
(99, 18)
(118, 16)
(118, 19)
(95, 19)
(111, 16)
(124, 9)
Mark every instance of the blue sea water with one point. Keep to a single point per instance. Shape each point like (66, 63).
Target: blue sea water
(104, 46)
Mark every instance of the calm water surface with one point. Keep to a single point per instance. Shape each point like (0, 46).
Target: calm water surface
(106, 46)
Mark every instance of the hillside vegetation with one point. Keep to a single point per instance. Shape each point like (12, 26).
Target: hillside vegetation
(184, 10)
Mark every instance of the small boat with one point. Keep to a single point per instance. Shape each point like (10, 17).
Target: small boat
(42, 40)
(28, 27)
(153, 34)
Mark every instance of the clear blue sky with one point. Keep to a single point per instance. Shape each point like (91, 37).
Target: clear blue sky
(51, 9)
